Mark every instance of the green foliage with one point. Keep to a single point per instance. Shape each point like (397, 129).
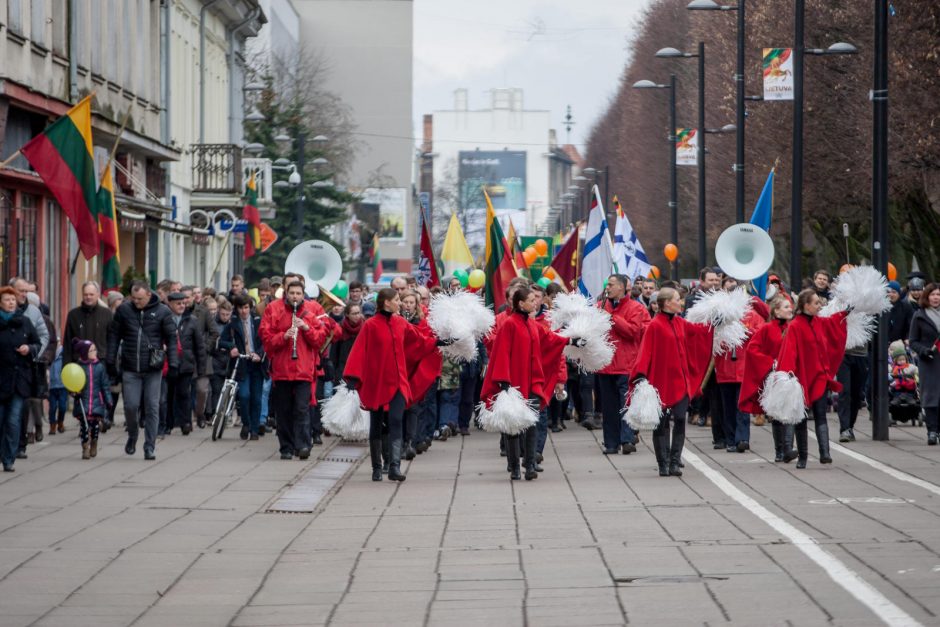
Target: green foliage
(130, 275)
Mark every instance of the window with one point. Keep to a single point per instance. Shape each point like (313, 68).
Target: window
(26, 238)
(6, 221)
(96, 39)
(128, 50)
(15, 16)
(37, 22)
(55, 247)
(60, 27)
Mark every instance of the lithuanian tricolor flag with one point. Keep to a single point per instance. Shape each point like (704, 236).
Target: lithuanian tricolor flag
(63, 157)
(108, 232)
(498, 261)
(253, 217)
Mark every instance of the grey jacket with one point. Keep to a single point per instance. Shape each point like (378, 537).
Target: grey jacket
(33, 314)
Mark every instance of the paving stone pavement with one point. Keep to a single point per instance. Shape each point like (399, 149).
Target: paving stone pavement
(596, 540)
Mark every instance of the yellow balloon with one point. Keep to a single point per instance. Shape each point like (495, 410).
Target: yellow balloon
(73, 378)
(253, 293)
(477, 278)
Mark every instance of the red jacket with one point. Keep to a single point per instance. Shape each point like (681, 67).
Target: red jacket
(497, 324)
(377, 364)
(674, 356)
(549, 341)
(762, 350)
(729, 366)
(628, 323)
(518, 358)
(275, 322)
(423, 368)
(812, 350)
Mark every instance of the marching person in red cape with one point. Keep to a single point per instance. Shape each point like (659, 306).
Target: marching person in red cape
(629, 320)
(423, 371)
(554, 377)
(377, 368)
(812, 350)
(729, 373)
(292, 337)
(759, 357)
(673, 358)
(521, 353)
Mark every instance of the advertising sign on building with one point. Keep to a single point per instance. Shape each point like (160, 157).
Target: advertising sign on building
(502, 172)
(778, 73)
(686, 146)
(393, 210)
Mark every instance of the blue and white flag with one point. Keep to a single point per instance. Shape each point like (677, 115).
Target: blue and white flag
(629, 255)
(763, 217)
(597, 260)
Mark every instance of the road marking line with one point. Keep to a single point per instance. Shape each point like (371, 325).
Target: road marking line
(849, 580)
(888, 470)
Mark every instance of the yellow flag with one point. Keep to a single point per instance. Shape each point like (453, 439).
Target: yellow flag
(456, 253)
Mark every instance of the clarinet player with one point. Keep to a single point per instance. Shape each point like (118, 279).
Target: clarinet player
(292, 335)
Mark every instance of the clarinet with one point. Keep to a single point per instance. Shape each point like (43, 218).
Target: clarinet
(293, 354)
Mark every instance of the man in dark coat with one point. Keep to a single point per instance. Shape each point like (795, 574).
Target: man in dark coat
(900, 314)
(89, 321)
(205, 326)
(142, 325)
(189, 345)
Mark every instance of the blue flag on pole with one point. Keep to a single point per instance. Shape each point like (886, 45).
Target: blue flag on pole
(763, 213)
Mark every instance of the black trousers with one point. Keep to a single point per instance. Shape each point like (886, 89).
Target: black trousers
(291, 400)
(179, 401)
(388, 421)
(613, 395)
(713, 406)
(853, 373)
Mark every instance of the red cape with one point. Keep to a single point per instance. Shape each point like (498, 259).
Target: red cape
(628, 323)
(762, 351)
(812, 350)
(553, 346)
(674, 356)
(377, 364)
(423, 368)
(729, 366)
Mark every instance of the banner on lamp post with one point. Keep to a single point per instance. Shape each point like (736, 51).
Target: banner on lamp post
(778, 73)
(686, 146)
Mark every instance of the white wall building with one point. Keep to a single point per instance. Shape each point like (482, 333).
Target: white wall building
(496, 143)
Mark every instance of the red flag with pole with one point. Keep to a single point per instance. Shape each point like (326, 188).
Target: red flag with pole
(427, 266)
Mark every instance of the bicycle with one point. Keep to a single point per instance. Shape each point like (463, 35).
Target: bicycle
(226, 403)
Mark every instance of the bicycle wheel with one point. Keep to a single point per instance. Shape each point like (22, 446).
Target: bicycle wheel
(222, 409)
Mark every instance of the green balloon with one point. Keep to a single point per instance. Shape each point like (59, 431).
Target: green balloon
(463, 276)
(341, 289)
(544, 281)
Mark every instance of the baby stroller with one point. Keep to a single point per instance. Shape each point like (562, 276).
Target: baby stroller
(903, 399)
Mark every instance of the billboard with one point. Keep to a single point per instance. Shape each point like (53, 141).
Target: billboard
(502, 172)
(777, 64)
(686, 146)
(392, 203)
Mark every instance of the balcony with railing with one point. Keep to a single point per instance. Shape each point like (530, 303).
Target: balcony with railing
(217, 169)
(264, 181)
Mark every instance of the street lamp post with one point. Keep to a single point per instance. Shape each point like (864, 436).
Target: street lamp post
(673, 187)
(711, 5)
(879, 210)
(594, 173)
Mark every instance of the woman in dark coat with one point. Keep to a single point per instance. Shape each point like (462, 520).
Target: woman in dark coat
(19, 345)
(924, 338)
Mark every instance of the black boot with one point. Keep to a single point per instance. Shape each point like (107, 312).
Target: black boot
(822, 435)
(660, 449)
(386, 453)
(789, 454)
(777, 429)
(512, 457)
(394, 465)
(531, 464)
(802, 444)
(675, 453)
(375, 452)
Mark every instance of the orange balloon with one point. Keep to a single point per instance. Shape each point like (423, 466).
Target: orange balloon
(671, 252)
(549, 273)
(892, 272)
(541, 247)
(654, 272)
(529, 256)
(845, 267)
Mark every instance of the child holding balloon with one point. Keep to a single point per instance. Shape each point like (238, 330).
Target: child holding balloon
(92, 393)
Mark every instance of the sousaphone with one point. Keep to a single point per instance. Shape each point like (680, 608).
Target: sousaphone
(318, 263)
(744, 251)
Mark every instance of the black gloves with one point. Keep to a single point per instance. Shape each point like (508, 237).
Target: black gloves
(112, 370)
(638, 378)
(503, 385)
(446, 341)
(577, 342)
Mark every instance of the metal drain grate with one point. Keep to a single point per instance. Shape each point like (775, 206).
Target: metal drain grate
(304, 496)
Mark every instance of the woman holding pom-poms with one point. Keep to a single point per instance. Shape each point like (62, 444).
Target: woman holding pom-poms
(673, 357)
(521, 351)
(377, 369)
(812, 350)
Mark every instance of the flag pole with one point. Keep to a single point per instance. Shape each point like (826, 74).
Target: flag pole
(6, 162)
(117, 142)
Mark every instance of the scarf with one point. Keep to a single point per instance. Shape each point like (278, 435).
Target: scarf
(6, 316)
(351, 329)
(933, 314)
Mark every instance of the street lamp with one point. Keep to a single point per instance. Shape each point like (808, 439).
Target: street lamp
(879, 210)
(711, 5)
(796, 194)
(594, 173)
(673, 190)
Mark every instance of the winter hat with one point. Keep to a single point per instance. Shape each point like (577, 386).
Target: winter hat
(894, 285)
(113, 297)
(896, 349)
(81, 348)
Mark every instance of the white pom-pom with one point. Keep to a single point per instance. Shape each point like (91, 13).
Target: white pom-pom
(342, 414)
(863, 288)
(782, 398)
(509, 413)
(566, 306)
(644, 409)
(461, 316)
(724, 311)
(860, 326)
(593, 326)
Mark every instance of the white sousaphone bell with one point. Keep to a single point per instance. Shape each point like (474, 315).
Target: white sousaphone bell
(744, 251)
(319, 264)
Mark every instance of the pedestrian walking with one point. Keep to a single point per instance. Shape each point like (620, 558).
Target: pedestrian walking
(189, 345)
(924, 339)
(138, 338)
(91, 404)
(58, 395)
(242, 336)
(19, 345)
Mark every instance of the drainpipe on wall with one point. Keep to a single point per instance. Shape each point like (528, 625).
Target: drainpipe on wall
(202, 68)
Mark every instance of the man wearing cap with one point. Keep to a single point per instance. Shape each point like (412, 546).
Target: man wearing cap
(190, 347)
(900, 314)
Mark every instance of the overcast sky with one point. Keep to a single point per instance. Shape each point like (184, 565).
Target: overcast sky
(560, 53)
